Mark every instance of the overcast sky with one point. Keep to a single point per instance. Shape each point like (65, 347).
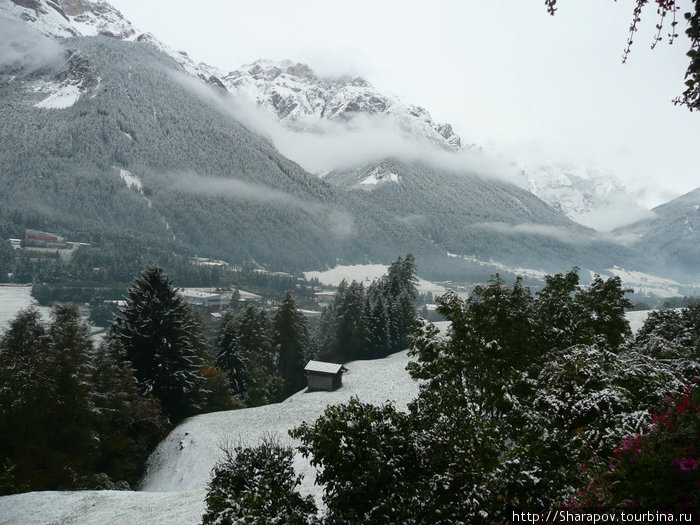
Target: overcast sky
(507, 75)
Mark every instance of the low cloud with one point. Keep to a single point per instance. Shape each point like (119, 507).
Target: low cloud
(24, 48)
(322, 145)
(620, 210)
(188, 182)
(543, 230)
(339, 223)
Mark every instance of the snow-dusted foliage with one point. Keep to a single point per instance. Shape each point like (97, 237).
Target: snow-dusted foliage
(520, 402)
(257, 486)
(69, 417)
(655, 468)
(674, 337)
(291, 337)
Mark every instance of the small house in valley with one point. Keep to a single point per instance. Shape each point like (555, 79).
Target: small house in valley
(324, 376)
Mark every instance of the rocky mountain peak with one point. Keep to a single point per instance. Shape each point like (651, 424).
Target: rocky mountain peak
(293, 93)
(70, 18)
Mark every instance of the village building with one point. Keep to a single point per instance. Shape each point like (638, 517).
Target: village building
(204, 300)
(324, 376)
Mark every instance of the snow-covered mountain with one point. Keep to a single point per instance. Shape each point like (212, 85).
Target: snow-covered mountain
(574, 190)
(671, 238)
(297, 96)
(69, 18)
(75, 18)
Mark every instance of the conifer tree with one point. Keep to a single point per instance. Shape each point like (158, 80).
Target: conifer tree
(25, 383)
(292, 340)
(130, 424)
(160, 340)
(247, 355)
(73, 438)
(351, 325)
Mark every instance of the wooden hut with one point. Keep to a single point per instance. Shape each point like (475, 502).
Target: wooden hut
(324, 376)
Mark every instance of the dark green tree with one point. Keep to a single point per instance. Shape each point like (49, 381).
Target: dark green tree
(604, 305)
(291, 337)
(26, 382)
(247, 355)
(129, 423)
(373, 476)
(162, 343)
(74, 437)
(351, 323)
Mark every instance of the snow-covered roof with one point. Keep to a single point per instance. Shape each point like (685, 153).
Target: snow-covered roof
(324, 368)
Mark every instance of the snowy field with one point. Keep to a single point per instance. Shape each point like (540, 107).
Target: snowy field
(175, 484)
(366, 273)
(12, 300)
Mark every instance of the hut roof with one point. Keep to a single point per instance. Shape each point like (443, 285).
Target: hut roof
(324, 368)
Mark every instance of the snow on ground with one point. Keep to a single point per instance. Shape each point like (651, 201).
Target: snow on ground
(62, 96)
(647, 284)
(636, 319)
(183, 461)
(106, 507)
(373, 180)
(12, 300)
(131, 180)
(525, 272)
(175, 485)
(366, 273)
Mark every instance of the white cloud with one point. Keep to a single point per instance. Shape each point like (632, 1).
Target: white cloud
(23, 47)
(339, 222)
(322, 145)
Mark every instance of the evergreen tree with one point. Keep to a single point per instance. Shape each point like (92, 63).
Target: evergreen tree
(246, 354)
(129, 423)
(74, 437)
(351, 323)
(292, 341)
(230, 357)
(26, 383)
(161, 342)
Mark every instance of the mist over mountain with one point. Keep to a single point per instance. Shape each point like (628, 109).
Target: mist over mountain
(106, 129)
(669, 240)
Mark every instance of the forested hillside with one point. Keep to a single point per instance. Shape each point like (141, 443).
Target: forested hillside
(195, 178)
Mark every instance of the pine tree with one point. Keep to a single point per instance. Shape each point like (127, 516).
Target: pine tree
(25, 383)
(292, 340)
(73, 437)
(351, 325)
(163, 345)
(130, 424)
(246, 354)
(230, 358)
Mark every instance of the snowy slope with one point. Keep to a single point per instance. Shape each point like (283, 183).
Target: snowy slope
(180, 467)
(183, 461)
(105, 507)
